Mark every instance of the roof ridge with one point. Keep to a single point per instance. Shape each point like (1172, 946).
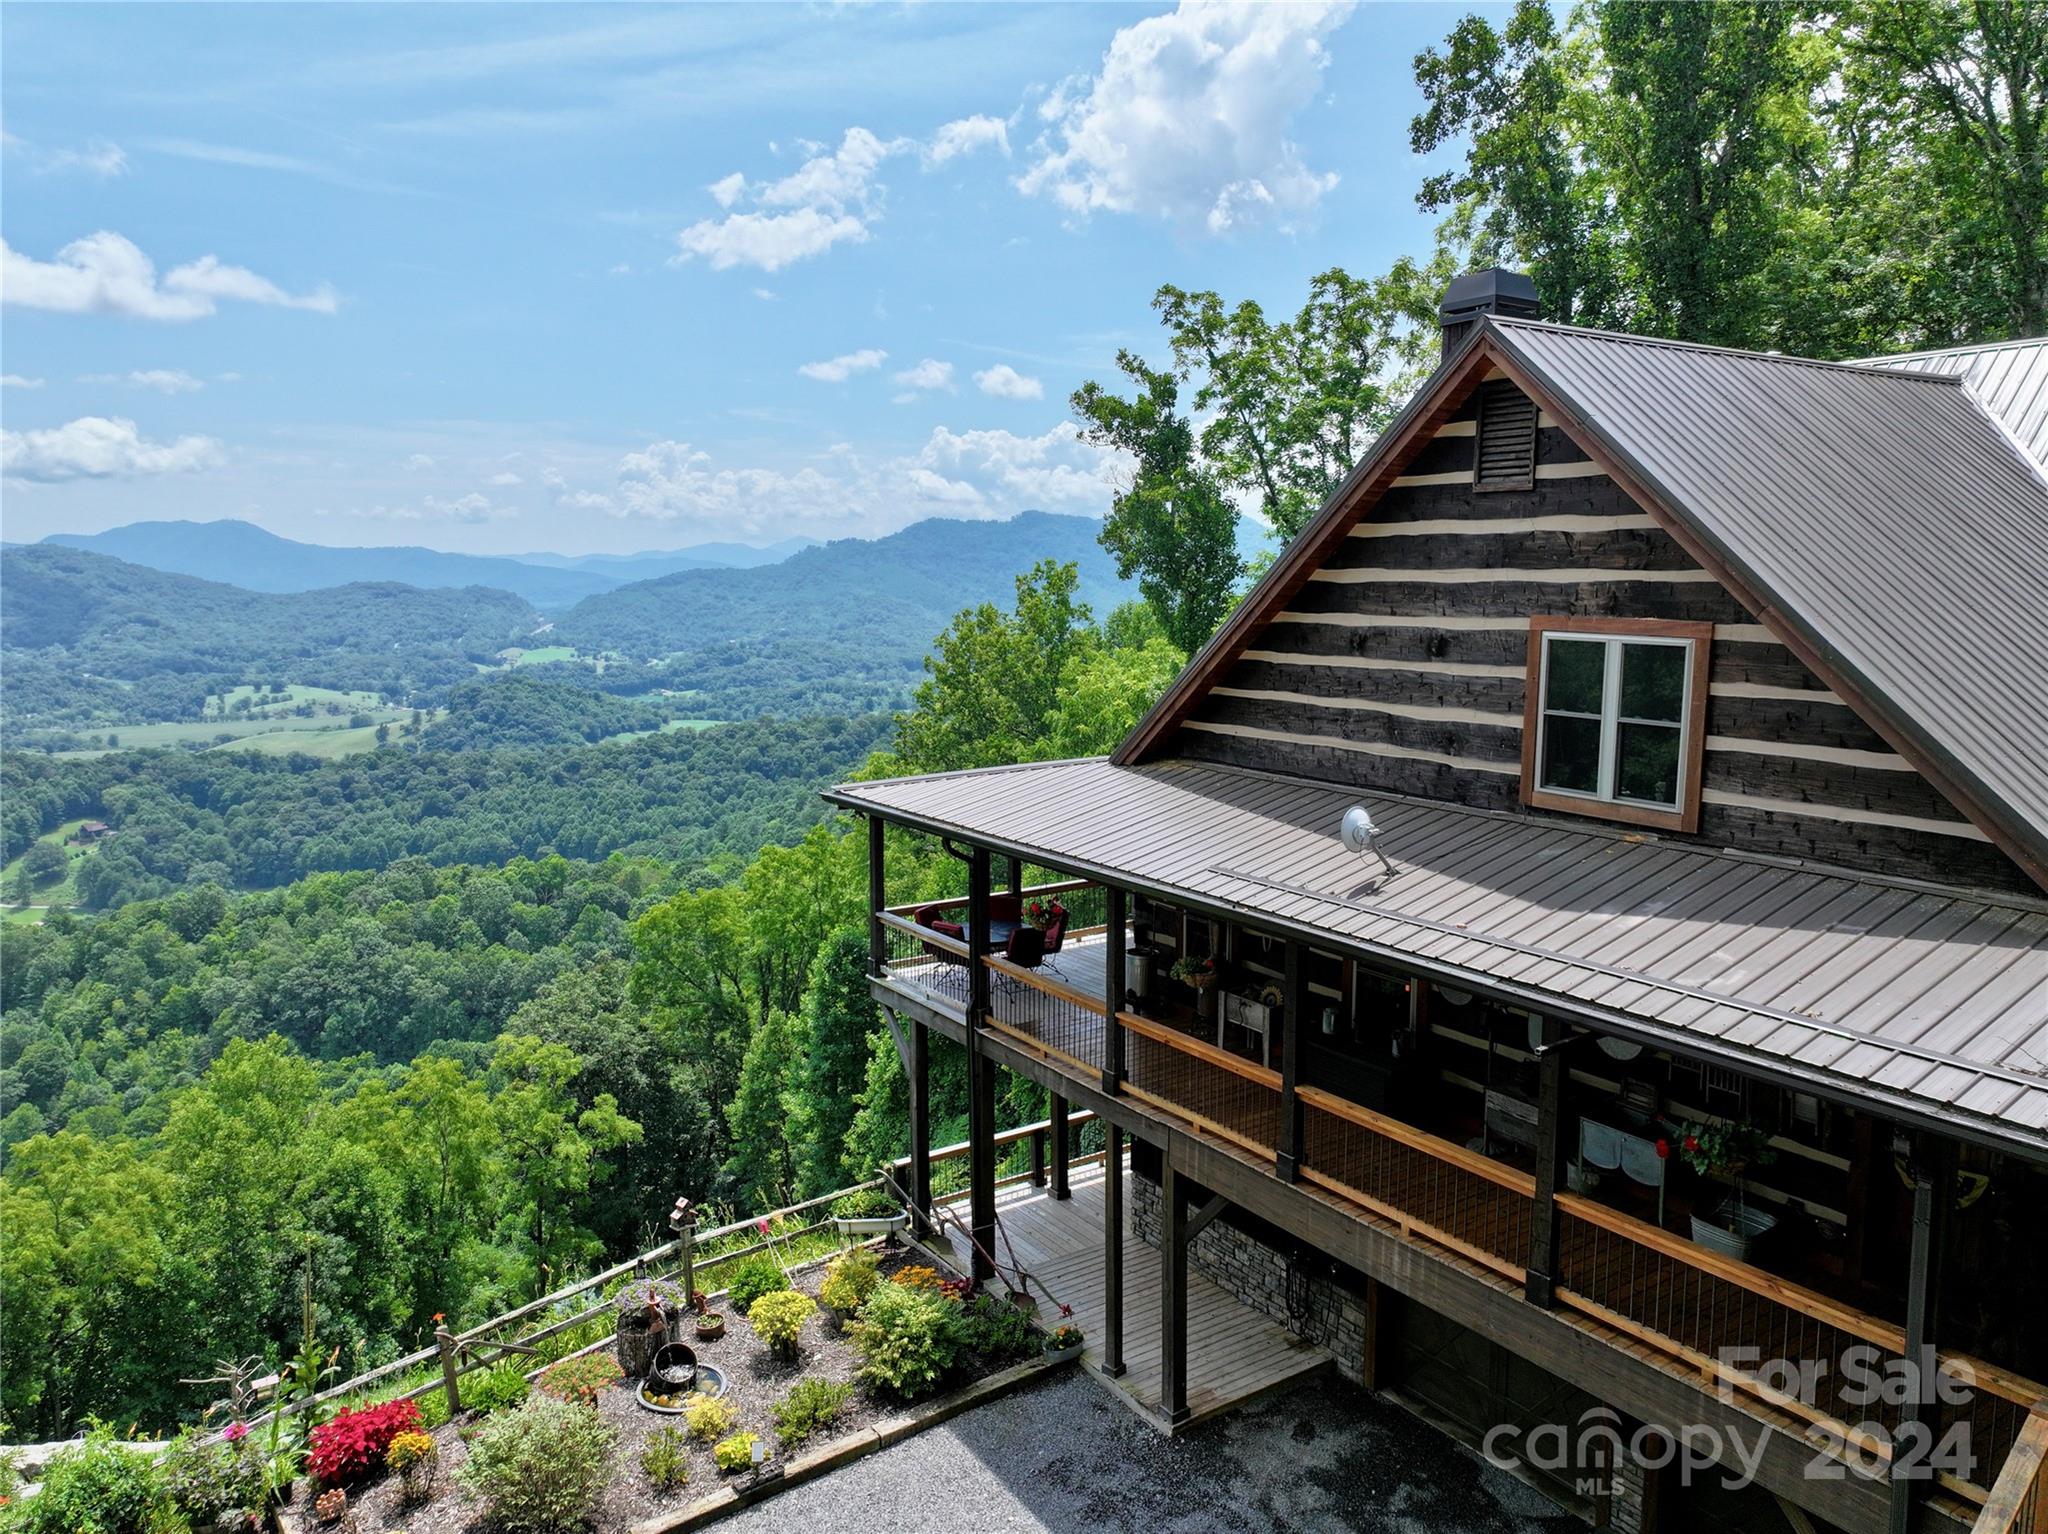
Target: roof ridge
(1885, 359)
(1862, 369)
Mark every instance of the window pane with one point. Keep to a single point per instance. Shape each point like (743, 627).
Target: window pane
(1653, 681)
(1574, 671)
(1571, 754)
(1646, 763)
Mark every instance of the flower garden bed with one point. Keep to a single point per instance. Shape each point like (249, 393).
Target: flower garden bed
(758, 1378)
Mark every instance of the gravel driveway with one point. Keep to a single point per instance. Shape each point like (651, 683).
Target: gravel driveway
(1064, 1456)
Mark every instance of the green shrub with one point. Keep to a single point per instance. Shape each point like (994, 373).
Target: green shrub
(849, 1279)
(996, 1329)
(210, 1481)
(434, 1409)
(580, 1380)
(778, 1319)
(734, 1453)
(540, 1467)
(752, 1279)
(664, 1460)
(100, 1487)
(496, 1388)
(708, 1416)
(907, 1338)
(810, 1405)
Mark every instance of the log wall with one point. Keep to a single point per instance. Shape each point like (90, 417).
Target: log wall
(1402, 666)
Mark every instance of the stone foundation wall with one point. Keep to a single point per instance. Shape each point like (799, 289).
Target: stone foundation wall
(1330, 1315)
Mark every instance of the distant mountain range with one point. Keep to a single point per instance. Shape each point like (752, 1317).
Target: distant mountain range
(250, 557)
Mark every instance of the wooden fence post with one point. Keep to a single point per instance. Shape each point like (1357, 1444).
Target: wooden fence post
(445, 1341)
(686, 1247)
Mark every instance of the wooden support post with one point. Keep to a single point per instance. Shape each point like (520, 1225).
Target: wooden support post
(1113, 940)
(1551, 1142)
(1293, 1019)
(1111, 1347)
(1933, 1166)
(1062, 1148)
(1369, 1366)
(1173, 1295)
(981, 1074)
(1037, 1142)
(920, 1129)
(686, 1249)
(1016, 885)
(445, 1341)
(878, 935)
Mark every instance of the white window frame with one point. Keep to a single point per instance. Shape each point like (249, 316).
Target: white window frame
(1611, 719)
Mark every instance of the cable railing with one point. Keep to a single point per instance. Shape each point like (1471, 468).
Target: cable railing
(1213, 1089)
(1427, 1186)
(1046, 1014)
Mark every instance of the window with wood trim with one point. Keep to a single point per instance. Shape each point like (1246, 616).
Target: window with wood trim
(1615, 721)
(1504, 449)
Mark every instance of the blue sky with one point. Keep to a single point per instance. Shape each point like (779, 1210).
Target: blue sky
(594, 278)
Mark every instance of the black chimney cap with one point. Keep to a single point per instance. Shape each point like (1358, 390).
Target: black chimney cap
(1492, 290)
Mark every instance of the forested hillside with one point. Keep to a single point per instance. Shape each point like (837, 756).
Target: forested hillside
(865, 604)
(252, 822)
(173, 638)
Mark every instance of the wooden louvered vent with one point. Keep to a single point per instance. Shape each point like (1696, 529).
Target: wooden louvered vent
(1505, 456)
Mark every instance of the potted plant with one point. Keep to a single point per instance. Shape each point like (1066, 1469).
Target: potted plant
(1727, 1150)
(710, 1324)
(1043, 913)
(1063, 1341)
(1198, 973)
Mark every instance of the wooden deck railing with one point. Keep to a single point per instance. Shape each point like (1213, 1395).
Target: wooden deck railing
(1688, 1302)
(2018, 1503)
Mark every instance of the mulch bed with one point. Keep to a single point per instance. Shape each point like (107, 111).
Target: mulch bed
(755, 1380)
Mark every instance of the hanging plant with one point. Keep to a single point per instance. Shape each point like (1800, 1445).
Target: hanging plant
(1725, 1149)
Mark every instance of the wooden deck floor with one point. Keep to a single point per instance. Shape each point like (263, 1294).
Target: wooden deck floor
(1235, 1354)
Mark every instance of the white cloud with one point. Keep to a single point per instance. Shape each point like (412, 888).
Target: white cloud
(16, 381)
(766, 295)
(1005, 382)
(928, 374)
(840, 494)
(830, 199)
(471, 508)
(839, 369)
(419, 463)
(97, 447)
(105, 273)
(99, 157)
(1188, 119)
(965, 136)
(505, 477)
(163, 380)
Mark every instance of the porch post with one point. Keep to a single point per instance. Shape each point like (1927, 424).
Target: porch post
(1113, 939)
(1016, 867)
(1541, 1280)
(920, 1127)
(1933, 1164)
(981, 1075)
(1293, 1018)
(1112, 1349)
(1173, 1294)
(878, 935)
(1062, 1148)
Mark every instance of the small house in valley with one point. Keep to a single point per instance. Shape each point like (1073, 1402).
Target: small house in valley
(1574, 946)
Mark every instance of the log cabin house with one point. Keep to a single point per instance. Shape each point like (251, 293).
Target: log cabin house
(1695, 1026)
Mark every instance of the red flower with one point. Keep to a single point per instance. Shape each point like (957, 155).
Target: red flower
(235, 1432)
(1692, 1142)
(761, 1226)
(1066, 1310)
(1663, 1150)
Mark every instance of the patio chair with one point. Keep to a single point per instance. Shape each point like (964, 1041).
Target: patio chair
(1055, 936)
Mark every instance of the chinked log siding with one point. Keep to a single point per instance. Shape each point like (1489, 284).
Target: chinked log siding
(1400, 665)
(1899, 852)
(1617, 548)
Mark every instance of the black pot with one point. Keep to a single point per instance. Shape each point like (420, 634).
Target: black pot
(674, 1368)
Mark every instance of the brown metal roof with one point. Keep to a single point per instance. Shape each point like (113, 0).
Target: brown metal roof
(1877, 520)
(2008, 378)
(1935, 1001)
(1884, 516)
